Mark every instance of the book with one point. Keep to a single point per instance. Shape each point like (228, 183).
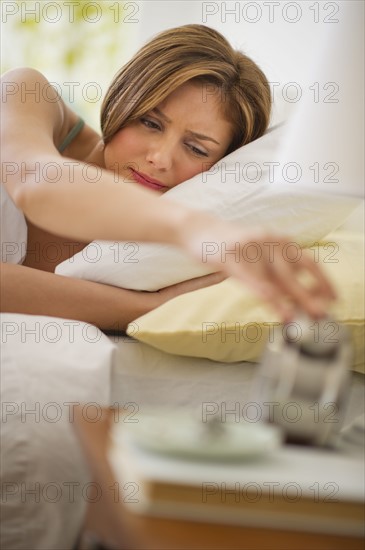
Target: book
(292, 487)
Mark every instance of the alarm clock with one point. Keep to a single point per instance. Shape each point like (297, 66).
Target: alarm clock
(303, 381)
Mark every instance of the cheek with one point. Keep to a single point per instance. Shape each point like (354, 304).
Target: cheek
(122, 148)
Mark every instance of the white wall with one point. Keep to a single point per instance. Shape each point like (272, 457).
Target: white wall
(283, 37)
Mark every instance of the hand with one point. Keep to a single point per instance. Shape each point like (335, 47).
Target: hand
(276, 268)
(188, 286)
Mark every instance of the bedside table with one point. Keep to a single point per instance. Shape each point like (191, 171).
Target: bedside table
(110, 522)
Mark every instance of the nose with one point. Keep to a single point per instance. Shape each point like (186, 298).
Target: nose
(160, 154)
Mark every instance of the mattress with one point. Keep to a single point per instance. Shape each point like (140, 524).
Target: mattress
(149, 377)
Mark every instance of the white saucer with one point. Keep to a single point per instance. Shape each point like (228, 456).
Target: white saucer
(177, 433)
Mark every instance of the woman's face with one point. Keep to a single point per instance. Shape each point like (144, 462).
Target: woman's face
(185, 135)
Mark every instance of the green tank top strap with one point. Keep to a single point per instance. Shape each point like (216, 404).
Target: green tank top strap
(71, 135)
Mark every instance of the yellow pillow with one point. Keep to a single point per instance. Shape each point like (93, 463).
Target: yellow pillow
(227, 322)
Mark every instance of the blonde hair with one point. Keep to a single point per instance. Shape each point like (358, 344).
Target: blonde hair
(196, 53)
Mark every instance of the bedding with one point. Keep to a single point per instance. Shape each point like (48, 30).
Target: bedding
(147, 377)
(47, 364)
(227, 322)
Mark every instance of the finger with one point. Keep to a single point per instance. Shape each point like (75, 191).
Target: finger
(285, 276)
(323, 284)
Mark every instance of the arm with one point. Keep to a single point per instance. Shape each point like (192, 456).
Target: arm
(27, 290)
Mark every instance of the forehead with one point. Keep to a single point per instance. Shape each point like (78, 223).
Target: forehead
(196, 101)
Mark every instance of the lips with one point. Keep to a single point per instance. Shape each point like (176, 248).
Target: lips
(147, 181)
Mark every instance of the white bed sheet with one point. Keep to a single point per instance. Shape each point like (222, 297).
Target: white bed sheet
(45, 369)
(150, 377)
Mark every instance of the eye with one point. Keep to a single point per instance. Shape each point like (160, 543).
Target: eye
(197, 151)
(149, 123)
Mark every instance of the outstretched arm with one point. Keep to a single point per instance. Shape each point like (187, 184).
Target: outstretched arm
(272, 276)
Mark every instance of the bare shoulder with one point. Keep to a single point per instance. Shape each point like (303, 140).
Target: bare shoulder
(29, 100)
(25, 86)
(35, 119)
(19, 77)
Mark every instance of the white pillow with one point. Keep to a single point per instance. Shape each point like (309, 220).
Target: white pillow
(244, 187)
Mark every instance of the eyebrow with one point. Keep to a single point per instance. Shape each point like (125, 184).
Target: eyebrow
(195, 134)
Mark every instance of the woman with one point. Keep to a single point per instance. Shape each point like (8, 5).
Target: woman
(182, 103)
